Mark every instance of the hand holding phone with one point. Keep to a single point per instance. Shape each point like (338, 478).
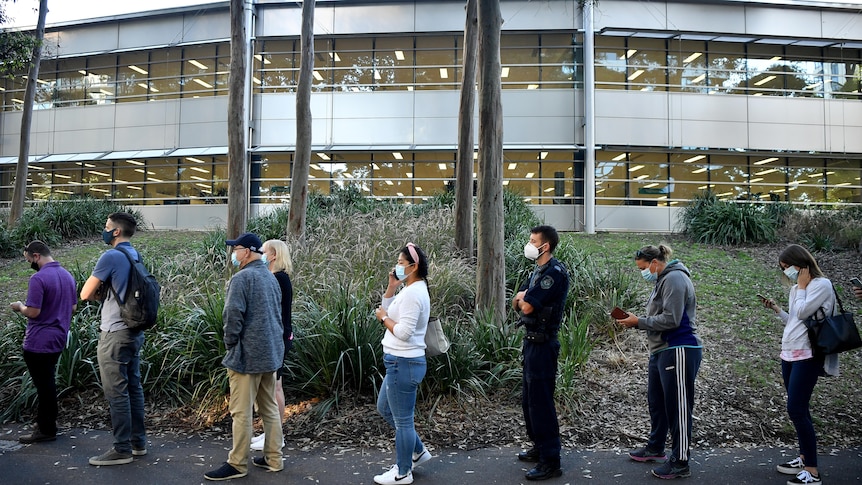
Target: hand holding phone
(856, 282)
(618, 313)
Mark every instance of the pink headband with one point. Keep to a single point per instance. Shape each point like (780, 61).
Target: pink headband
(412, 249)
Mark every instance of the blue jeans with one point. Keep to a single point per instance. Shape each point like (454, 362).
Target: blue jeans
(670, 392)
(396, 403)
(119, 355)
(800, 377)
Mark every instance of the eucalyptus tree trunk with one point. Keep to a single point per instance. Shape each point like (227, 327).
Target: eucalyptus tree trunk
(19, 192)
(491, 265)
(237, 169)
(464, 164)
(302, 154)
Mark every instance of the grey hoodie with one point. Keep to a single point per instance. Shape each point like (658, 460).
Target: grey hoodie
(671, 310)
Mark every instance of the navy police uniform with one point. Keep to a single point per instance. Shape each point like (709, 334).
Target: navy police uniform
(546, 291)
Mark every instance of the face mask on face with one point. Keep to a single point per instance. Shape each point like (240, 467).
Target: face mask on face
(792, 273)
(532, 252)
(34, 266)
(399, 272)
(264, 259)
(648, 275)
(108, 236)
(233, 259)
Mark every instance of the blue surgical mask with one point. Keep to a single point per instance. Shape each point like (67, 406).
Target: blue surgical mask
(108, 236)
(263, 258)
(233, 259)
(648, 275)
(792, 273)
(399, 272)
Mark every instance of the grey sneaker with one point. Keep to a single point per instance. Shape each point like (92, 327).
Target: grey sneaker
(645, 454)
(111, 457)
(792, 467)
(672, 469)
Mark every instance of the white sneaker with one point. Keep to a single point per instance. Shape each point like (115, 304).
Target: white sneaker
(421, 457)
(391, 477)
(259, 437)
(258, 445)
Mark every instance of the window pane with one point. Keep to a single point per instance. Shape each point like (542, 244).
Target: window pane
(610, 62)
(558, 61)
(133, 77)
(276, 66)
(646, 59)
(353, 62)
(687, 66)
(165, 73)
(435, 63)
(100, 79)
(200, 71)
(519, 58)
(130, 181)
(394, 58)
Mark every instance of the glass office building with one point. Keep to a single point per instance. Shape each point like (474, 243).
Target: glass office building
(758, 101)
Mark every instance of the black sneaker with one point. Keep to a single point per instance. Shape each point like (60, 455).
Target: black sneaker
(226, 472)
(544, 471)
(531, 455)
(672, 469)
(262, 463)
(792, 467)
(645, 454)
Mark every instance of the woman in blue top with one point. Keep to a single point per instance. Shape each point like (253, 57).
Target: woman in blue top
(675, 355)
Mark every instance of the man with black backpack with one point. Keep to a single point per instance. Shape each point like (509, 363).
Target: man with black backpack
(119, 349)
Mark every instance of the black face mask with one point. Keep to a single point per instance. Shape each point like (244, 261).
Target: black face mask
(34, 266)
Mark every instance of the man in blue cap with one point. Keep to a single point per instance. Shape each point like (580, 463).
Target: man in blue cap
(255, 349)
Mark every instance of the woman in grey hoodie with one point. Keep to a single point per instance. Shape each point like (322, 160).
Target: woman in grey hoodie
(675, 354)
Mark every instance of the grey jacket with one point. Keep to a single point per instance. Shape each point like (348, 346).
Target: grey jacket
(671, 311)
(252, 321)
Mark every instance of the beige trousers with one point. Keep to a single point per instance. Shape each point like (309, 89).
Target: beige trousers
(245, 391)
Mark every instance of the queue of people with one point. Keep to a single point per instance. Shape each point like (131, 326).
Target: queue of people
(258, 334)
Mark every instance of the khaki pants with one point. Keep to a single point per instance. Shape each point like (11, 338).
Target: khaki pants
(245, 391)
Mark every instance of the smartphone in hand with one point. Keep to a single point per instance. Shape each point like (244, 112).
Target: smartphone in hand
(856, 282)
(618, 313)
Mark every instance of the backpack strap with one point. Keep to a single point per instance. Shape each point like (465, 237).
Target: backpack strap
(131, 268)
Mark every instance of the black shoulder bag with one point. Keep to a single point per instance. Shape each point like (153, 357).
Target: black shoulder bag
(834, 333)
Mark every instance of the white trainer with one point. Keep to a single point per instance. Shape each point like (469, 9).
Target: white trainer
(392, 478)
(421, 457)
(258, 445)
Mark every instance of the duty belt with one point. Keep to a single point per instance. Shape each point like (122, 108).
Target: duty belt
(539, 337)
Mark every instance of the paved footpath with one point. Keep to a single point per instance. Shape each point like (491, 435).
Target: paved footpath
(183, 459)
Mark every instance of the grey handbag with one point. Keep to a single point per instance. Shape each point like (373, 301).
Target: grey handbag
(436, 342)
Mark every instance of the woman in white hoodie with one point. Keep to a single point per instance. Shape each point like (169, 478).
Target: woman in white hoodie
(800, 366)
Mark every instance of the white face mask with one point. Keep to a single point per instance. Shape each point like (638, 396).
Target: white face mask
(792, 273)
(532, 252)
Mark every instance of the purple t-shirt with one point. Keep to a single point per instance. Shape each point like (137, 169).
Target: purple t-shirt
(53, 290)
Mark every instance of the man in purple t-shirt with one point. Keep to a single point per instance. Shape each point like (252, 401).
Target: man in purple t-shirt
(51, 299)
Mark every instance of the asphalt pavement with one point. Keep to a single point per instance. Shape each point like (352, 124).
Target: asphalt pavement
(183, 459)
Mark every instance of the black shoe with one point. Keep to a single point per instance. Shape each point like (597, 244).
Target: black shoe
(531, 455)
(225, 472)
(36, 437)
(544, 471)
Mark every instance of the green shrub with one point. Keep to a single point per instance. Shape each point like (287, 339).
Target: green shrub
(711, 220)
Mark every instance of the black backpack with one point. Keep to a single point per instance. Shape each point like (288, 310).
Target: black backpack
(141, 305)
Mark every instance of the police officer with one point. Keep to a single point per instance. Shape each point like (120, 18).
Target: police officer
(540, 302)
